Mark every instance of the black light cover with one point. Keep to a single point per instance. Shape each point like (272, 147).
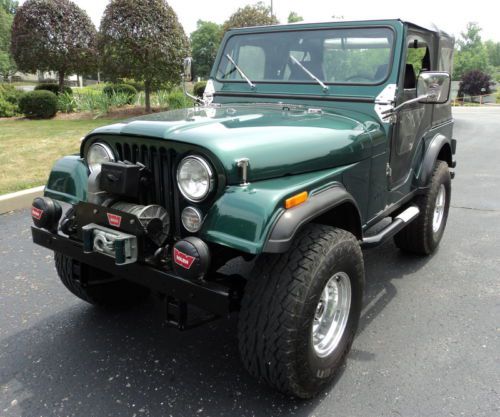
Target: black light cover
(190, 258)
(124, 178)
(46, 213)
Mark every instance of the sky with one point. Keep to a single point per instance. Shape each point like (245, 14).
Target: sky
(449, 16)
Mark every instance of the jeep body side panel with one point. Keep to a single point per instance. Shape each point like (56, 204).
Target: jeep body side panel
(68, 180)
(242, 218)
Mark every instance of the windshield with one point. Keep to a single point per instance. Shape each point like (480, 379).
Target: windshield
(335, 56)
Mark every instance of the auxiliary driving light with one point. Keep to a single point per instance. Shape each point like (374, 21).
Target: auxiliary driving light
(46, 213)
(190, 258)
(191, 219)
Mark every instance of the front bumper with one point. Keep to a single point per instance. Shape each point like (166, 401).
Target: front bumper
(211, 296)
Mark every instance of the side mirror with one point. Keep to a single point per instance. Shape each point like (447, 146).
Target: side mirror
(433, 87)
(188, 74)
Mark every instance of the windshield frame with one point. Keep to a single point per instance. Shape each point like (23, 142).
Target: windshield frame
(238, 32)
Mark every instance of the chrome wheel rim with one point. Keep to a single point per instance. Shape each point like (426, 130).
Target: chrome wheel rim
(331, 314)
(439, 209)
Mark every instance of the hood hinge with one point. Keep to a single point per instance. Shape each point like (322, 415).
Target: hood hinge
(388, 170)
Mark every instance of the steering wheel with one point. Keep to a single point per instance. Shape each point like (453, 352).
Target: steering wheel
(359, 76)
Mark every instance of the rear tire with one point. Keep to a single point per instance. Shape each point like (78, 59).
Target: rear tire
(284, 306)
(422, 236)
(84, 281)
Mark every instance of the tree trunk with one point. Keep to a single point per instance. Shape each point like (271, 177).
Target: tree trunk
(147, 93)
(61, 80)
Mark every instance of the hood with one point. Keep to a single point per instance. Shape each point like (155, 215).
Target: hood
(277, 140)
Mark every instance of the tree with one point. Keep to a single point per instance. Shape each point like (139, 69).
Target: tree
(53, 35)
(493, 50)
(142, 40)
(204, 45)
(471, 54)
(7, 64)
(294, 18)
(257, 15)
(474, 83)
(10, 6)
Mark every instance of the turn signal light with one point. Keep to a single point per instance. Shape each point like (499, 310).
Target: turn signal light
(296, 200)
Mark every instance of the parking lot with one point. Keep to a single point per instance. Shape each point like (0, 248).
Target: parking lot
(428, 344)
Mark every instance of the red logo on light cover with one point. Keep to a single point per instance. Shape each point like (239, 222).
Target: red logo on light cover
(36, 213)
(182, 259)
(114, 220)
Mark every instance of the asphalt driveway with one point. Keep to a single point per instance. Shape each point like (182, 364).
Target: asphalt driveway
(429, 342)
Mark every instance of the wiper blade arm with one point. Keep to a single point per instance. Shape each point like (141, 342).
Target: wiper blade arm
(321, 83)
(250, 83)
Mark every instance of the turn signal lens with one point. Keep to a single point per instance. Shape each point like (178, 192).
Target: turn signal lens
(296, 200)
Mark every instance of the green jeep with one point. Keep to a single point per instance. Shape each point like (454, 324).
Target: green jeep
(312, 141)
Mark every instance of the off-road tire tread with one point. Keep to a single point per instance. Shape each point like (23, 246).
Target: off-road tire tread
(266, 332)
(116, 294)
(415, 238)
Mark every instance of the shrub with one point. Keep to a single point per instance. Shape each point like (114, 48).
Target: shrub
(177, 100)
(66, 103)
(199, 88)
(10, 93)
(122, 89)
(475, 83)
(7, 109)
(38, 104)
(138, 85)
(54, 88)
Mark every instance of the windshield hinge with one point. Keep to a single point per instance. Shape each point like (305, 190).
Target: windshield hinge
(388, 170)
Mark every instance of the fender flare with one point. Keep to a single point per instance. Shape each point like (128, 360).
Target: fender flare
(68, 180)
(431, 155)
(292, 220)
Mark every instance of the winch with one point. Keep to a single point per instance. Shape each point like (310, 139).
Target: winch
(153, 218)
(118, 245)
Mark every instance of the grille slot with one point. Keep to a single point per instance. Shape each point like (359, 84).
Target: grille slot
(159, 161)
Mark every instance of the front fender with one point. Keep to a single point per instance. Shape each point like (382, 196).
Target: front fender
(68, 180)
(243, 217)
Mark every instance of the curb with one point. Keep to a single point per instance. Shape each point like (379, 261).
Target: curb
(20, 199)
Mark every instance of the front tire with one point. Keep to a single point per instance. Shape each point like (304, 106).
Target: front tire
(97, 287)
(300, 311)
(422, 236)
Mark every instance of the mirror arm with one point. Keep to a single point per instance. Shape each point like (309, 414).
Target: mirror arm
(192, 97)
(394, 110)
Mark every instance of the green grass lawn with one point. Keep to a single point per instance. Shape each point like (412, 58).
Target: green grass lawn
(29, 148)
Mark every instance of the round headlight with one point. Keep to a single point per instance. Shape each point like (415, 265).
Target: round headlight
(97, 154)
(195, 178)
(191, 219)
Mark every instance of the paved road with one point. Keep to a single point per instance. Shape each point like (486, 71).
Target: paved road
(429, 343)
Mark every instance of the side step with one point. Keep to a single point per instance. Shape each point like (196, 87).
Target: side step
(400, 221)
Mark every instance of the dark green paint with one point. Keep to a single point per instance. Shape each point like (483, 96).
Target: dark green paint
(291, 146)
(242, 217)
(277, 142)
(68, 180)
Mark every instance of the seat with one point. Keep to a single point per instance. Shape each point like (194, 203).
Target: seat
(298, 74)
(410, 80)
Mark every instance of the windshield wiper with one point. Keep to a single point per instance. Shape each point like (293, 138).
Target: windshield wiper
(250, 83)
(321, 83)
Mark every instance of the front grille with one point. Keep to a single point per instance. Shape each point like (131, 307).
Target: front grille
(159, 162)
(161, 157)
(158, 159)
